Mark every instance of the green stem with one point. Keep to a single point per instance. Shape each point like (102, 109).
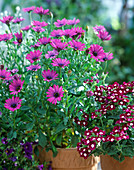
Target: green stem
(10, 29)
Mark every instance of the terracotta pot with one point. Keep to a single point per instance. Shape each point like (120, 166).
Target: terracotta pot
(68, 159)
(109, 163)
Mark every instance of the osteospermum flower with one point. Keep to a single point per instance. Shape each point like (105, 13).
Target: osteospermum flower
(18, 20)
(73, 22)
(55, 93)
(60, 62)
(49, 75)
(98, 28)
(58, 45)
(33, 67)
(44, 41)
(41, 11)
(6, 37)
(76, 45)
(28, 9)
(5, 75)
(13, 104)
(79, 31)
(7, 19)
(18, 37)
(60, 23)
(38, 23)
(106, 56)
(36, 45)
(26, 28)
(38, 29)
(69, 33)
(56, 33)
(51, 54)
(16, 86)
(34, 56)
(96, 51)
(103, 35)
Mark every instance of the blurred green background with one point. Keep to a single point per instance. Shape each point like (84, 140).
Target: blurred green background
(116, 15)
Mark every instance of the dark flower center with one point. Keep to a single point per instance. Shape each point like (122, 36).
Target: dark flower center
(3, 77)
(18, 88)
(33, 68)
(19, 40)
(35, 58)
(60, 64)
(13, 105)
(52, 55)
(56, 94)
(95, 53)
(105, 58)
(49, 77)
(76, 48)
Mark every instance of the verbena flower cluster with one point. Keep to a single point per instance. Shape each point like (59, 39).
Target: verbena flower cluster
(110, 128)
(45, 73)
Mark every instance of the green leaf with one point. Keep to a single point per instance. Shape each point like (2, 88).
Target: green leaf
(59, 139)
(36, 151)
(14, 134)
(25, 108)
(29, 126)
(42, 139)
(60, 127)
(74, 141)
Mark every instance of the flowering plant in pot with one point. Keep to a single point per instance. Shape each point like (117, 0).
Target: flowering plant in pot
(110, 126)
(47, 71)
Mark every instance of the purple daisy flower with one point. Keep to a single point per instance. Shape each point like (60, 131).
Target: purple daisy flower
(4, 141)
(36, 45)
(78, 31)
(28, 9)
(6, 37)
(18, 20)
(106, 56)
(51, 54)
(49, 75)
(56, 33)
(26, 28)
(73, 22)
(33, 67)
(34, 56)
(44, 41)
(76, 45)
(69, 33)
(60, 23)
(96, 51)
(5, 75)
(55, 93)
(16, 86)
(60, 62)
(58, 45)
(13, 104)
(41, 11)
(9, 151)
(38, 29)
(18, 37)
(103, 35)
(98, 28)
(7, 19)
(38, 23)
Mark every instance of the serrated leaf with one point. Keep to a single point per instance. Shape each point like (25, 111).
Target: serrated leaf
(59, 128)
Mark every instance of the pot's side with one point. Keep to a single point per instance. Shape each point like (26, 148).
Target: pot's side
(109, 163)
(68, 159)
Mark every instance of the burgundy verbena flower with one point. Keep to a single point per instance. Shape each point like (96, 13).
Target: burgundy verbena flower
(73, 22)
(60, 23)
(38, 29)
(55, 93)
(44, 41)
(13, 104)
(103, 35)
(38, 23)
(7, 19)
(18, 37)
(9, 151)
(76, 45)
(16, 86)
(26, 28)
(4, 141)
(89, 93)
(41, 11)
(5, 75)
(98, 28)
(58, 45)
(60, 62)
(28, 9)
(49, 75)
(51, 54)
(6, 37)
(18, 20)
(96, 51)
(33, 67)
(106, 56)
(57, 33)
(34, 56)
